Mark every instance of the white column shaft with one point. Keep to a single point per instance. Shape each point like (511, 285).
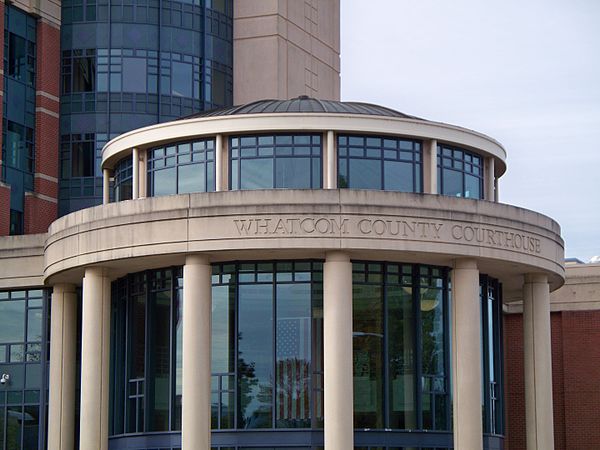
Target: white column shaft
(142, 173)
(430, 167)
(219, 163)
(337, 351)
(490, 178)
(135, 179)
(63, 348)
(197, 304)
(331, 161)
(105, 187)
(95, 358)
(466, 356)
(537, 351)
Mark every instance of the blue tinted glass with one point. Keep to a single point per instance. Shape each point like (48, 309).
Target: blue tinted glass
(13, 319)
(256, 174)
(398, 176)
(165, 182)
(255, 363)
(134, 75)
(292, 173)
(181, 79)
(472, 186)
(365, 174)
(191, 179)
(453, 183)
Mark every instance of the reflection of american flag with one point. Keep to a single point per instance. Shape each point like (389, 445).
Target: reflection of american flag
(293, 364)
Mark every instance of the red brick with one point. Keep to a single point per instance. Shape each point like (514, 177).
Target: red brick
(4, 210)
(39, 214)
(575, 376)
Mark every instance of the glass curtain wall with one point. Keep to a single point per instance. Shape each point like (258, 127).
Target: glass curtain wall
(266, 348)
(23, 363)
(492, 362)
(182, 168)
(400, 347)
(279, 161)
(129, 64)
(18, 120)
(460, 172)
(379, 162)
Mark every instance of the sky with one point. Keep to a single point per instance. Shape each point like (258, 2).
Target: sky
(525, 72)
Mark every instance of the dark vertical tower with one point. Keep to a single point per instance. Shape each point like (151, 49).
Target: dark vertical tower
(131, 63)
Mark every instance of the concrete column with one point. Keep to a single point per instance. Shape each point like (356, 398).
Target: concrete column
(63, 350)
(489, 179)
(105, 187)
(143, 173)
(135, 155)
(330, 179)
(197, 304)
(95, 358)
(538, 363)
(430, 167)
(466, 355)
(337, 352)
(219, 163)
(496, 190)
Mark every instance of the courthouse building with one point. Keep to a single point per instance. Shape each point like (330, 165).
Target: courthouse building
(282, 274)
(293, 274)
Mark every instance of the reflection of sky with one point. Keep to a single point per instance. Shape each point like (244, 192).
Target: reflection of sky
(13, 321)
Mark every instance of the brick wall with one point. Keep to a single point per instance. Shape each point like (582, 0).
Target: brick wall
(575, 376)
(4, 190)
(4, 209)
(41, 211)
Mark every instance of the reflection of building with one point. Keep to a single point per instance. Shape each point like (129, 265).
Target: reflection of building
(325, 314)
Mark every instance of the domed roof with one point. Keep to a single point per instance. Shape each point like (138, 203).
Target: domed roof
(303, 104)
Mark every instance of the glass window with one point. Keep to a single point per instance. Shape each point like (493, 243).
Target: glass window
(281, 161)
(387, 301)
(374, 162)
(266, 347)
(182, 168)
(181, 79)
(84, 74)
(134, 75)
(460, 172)
(82, 159)
(123, 187)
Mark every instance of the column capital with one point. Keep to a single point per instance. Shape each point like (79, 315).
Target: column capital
(337, 255)
(197, 259)
(540, 278)
(465, 263)
(64, 288)
(97, 271)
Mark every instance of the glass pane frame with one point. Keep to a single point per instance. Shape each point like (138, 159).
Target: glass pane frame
(417, 278)
(274, 152)
(176, 159)
(464, 166)
(385, 155)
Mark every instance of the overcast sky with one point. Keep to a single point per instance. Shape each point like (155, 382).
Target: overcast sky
(525, 72)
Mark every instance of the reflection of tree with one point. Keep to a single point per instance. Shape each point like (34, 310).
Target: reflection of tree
(432, 332)
(247, 380)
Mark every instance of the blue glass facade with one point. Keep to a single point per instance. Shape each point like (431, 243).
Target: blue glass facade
(18, 104)
(23, 365)
(128, 64)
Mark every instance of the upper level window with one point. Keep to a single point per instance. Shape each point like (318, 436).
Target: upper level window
(18, 147)
(19, 46)
(79, 71)
(280, 161)
(182, 168)
(124, 180)
(383, 163)
(460, 172)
